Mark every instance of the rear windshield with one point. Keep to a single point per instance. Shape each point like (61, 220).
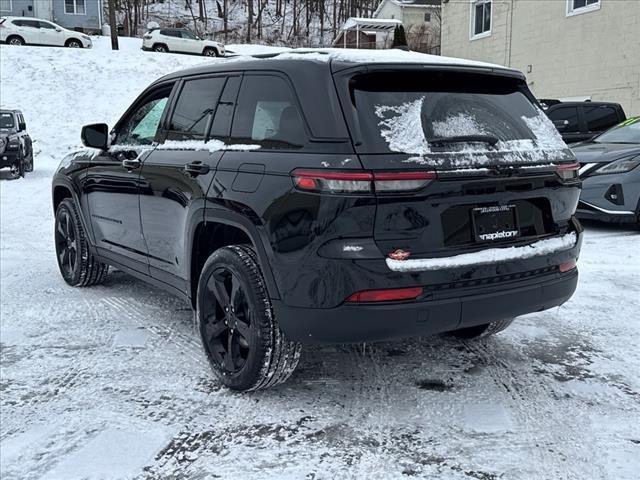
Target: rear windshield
(412, 112)
(6, 120)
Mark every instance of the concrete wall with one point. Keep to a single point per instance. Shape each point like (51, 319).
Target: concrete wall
(89, 21)
(19, 8)
(594, 54)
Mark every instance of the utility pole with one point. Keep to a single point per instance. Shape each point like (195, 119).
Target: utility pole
(113, 25)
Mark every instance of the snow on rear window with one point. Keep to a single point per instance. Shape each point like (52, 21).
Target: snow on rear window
(458, 125)
(401, 127)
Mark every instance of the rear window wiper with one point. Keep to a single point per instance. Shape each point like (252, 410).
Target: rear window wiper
(490, 139)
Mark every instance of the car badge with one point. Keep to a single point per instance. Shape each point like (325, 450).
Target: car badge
(399, 254)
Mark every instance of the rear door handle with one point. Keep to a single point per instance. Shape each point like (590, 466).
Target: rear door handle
(131, 164)
(196, 168)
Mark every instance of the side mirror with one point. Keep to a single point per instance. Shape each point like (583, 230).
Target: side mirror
(95, 136)
(22, 127)
(58, 29)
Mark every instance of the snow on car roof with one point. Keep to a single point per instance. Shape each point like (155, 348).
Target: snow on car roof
(351, 55)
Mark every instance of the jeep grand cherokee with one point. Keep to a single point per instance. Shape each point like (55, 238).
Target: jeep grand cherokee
(327, 196)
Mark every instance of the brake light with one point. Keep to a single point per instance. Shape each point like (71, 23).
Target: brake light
(568, 171)
(360, 182)
(388, 295)
(567, 266)
(335, 182)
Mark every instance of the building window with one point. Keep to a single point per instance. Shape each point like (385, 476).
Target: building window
(74, 7)
(427, 17)
(480, 19)
(576, 7)
(5, 6)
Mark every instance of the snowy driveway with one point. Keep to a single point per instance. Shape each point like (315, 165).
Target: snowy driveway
(110, 382)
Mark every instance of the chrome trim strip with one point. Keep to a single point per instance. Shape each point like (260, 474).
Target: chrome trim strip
(604, 210)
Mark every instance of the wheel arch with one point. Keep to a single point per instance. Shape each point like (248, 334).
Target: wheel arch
(15, 35)
(219, 230)
(62, 189)
(71, 39)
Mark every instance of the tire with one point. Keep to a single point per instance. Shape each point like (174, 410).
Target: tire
(234, 315)
(159, 47)
(15, 40)
(29, 167)
(73, 43)
(77, 264)
(481, 331)
(210, 52)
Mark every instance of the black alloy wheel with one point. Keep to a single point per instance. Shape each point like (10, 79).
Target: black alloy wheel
(78, 266)
(227, 321)
(240, 334)
(66, 245)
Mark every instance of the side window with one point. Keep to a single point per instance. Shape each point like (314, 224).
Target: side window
(18, 23)
(267, 113)
(565, 119)
(195, 108)
(141, 126)
(187, 35)
(47, 25)
(600, 118)
(31, 24)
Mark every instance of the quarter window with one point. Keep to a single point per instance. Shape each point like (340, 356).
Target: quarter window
(575, 7)
(600, 118)
(141, 126)
(195, 108)
(267, 113)
(480, 18)
(74, 7)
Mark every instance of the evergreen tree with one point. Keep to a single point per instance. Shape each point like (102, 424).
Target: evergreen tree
(399, 37)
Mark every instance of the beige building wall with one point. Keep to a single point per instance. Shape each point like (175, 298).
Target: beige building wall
(593, 54)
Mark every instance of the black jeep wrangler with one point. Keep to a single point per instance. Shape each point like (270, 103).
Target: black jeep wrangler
(327, 197)
(16, 151)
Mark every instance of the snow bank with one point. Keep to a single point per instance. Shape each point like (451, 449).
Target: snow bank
(490, 255)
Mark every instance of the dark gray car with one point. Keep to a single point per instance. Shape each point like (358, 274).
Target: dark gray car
(610, 173)
(16, 150)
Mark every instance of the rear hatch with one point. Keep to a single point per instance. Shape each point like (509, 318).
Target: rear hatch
(497, 171)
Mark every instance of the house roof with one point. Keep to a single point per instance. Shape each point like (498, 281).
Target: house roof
(409, 3)
(370, 24)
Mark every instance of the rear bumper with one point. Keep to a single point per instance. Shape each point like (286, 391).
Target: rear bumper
(441, 311)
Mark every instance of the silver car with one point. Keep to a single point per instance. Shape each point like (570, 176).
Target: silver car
(610, 174)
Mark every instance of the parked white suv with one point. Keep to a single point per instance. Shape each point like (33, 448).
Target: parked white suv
(180, 41)
(34, 31)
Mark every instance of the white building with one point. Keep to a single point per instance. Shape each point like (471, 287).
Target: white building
(420, 18)
(567, 48)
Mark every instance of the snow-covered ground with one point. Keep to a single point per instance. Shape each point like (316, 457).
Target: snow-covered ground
(110, 382)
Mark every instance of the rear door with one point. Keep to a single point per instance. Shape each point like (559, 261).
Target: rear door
(29, 30)
(567, 120)
(599, 118)
(179, 172)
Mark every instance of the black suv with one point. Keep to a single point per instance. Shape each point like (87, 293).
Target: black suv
(16, 150)
(318, 198)
(581, 121)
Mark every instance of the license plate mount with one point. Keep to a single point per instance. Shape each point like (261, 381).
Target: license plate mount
(494, 223)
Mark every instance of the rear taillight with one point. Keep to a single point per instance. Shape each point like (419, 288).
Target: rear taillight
(568, 171)
(360, 182)
(2, 20)
(567, 266)
(388, 295)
